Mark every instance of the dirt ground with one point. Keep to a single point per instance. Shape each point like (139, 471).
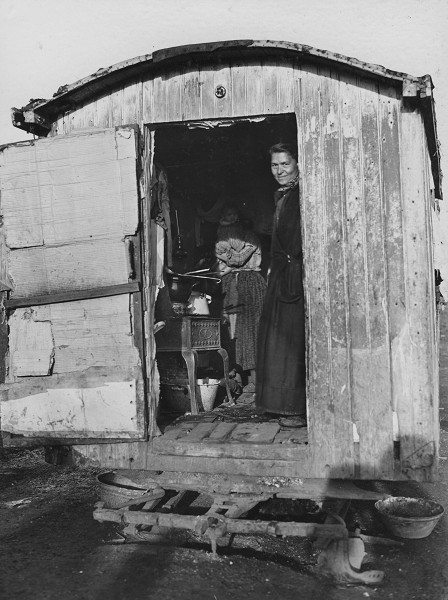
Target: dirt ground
(52, 549)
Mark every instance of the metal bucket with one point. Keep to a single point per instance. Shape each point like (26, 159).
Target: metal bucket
(411, 518)
(114, 493)
(207, 390)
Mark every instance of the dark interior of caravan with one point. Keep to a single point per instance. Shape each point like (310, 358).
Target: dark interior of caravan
(204, 165)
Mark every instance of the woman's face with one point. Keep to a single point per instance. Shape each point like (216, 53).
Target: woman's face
(283, 167)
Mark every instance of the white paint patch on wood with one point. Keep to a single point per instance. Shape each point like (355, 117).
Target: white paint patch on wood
(64, 412)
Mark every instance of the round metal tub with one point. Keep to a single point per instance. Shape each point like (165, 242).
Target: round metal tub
(412, 518)
(114, 492)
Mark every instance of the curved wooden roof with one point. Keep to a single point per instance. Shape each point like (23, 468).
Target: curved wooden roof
(70, 95)
(38, 115)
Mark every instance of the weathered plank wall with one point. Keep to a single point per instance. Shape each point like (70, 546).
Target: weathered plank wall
(369, 282)
(366, 212)
(366, 207)
(415, 366)
(347, 303)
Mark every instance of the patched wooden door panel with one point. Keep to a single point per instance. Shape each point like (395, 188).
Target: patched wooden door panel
(71, 219)
(68, 202)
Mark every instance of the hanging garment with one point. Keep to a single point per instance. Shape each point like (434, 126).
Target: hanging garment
(160, 208)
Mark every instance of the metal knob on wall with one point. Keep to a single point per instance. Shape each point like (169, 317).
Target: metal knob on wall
(220, 91)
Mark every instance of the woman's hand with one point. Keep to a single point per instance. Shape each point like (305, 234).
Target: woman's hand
(225, 269)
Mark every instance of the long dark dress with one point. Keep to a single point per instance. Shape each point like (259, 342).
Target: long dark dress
(281, 378)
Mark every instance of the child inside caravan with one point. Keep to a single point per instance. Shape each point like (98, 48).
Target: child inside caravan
(239, 258)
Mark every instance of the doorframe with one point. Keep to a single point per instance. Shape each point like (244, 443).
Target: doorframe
(153, 242)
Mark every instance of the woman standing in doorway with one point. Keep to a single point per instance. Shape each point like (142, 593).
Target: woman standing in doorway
(281, 378)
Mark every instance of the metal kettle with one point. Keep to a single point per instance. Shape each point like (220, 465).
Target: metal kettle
(198, 303)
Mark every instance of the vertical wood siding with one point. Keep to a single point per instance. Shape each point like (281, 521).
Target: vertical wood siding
(189, 94)
(419, 399)
(369, 282)
(389, 114)
(314, 211)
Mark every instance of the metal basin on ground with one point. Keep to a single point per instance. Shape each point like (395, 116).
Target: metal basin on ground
(116, 492)
(412, 518)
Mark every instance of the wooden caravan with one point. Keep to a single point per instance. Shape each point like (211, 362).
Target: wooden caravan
(83, 254)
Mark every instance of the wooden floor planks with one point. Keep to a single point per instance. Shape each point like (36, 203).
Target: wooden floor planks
(221, 432)
(234, 440)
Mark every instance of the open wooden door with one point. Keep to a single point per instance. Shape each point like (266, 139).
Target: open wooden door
(74, 365)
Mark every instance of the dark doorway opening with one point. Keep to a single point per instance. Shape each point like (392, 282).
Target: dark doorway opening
(208, 164)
